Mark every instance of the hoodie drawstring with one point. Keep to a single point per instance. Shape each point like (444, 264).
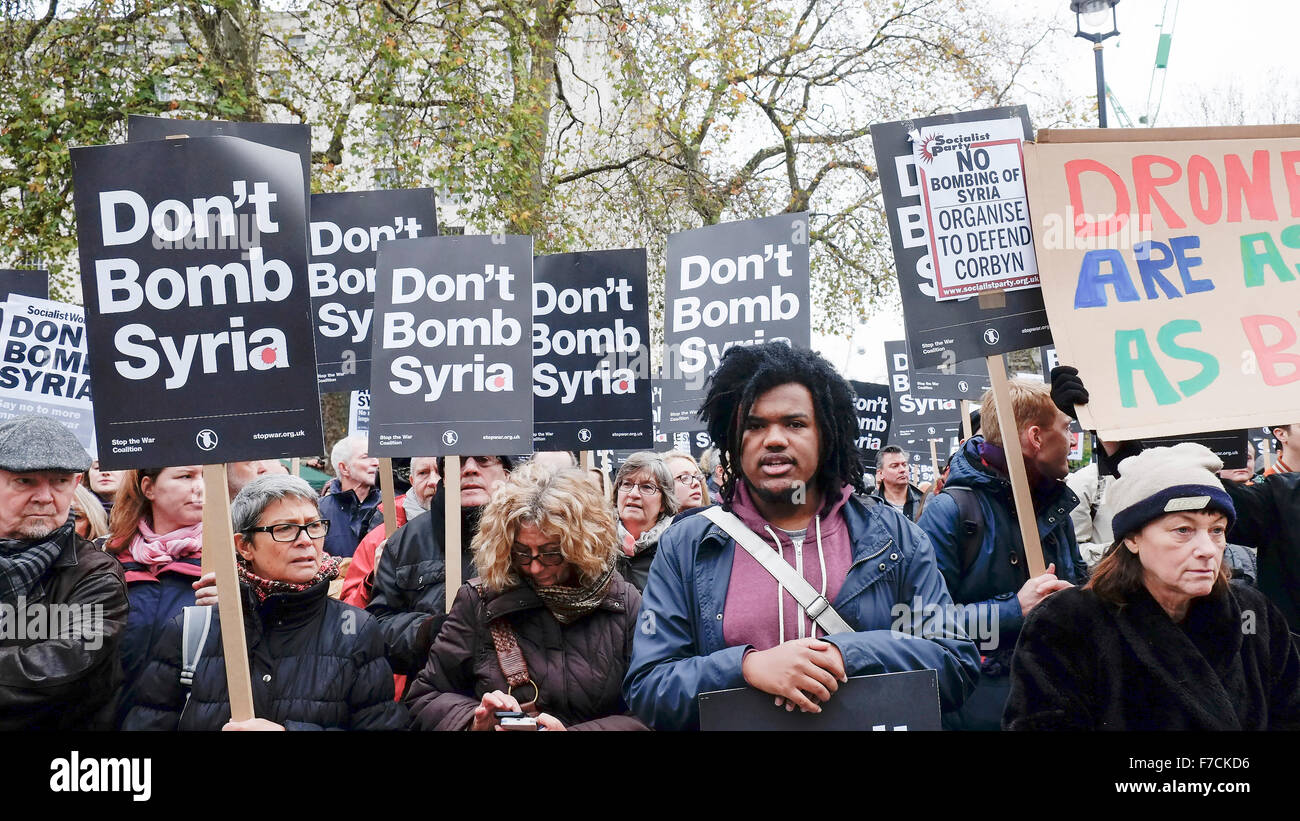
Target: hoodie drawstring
(780, 591)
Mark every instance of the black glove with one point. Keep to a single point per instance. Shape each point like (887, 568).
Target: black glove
(1068, 390)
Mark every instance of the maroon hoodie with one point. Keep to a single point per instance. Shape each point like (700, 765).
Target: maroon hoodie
(750, 613)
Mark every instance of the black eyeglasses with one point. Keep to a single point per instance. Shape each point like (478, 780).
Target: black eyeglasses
(646, 488)
(288, 531)
(523, 559)
(481, 461)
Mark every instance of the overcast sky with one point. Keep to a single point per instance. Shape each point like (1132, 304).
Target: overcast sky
(1247, 50)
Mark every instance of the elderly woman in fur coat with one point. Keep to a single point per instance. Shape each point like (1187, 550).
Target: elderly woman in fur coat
(1159, 639)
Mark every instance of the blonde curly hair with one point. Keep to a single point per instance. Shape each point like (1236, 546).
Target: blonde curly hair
(564, 505)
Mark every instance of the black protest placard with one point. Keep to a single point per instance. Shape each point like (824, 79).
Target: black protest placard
(295, 137)
(44, 369)
(1228, 445)
(740, 283)
(872, 406)
(956, 329)
(591, 355)
(918, 419)
(451, 364)
(200, 334)
(32, 282)
(965, 380)
(345, 233)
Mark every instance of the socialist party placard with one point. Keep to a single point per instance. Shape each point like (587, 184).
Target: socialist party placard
(346, 230)
(451, 362)
(44, 369)
(972, 180)
(200, 331)
(591, 357)
(964, 328)
(739, 283)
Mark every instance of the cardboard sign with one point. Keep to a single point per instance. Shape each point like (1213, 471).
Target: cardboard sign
(294, 137)
(739, 283)
(892, 702)
(972, 179)
(346, 230)
(359, 413)
(451, 363)
(946, 332)
(201, 354)
(591, 354)
(871, 404)
(32, 282)
(44, 369)
(1170, 279)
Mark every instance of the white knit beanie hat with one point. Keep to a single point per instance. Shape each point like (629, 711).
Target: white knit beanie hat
(1167, 480)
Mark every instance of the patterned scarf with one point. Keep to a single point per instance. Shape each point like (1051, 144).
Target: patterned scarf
(23, 562)
(648, 538)
(568, 604)
(263, 588)
(155, 550)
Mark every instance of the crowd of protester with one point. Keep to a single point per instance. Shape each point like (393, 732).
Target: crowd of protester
(1155, 559)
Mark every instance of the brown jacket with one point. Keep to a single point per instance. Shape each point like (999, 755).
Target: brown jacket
(578, 668)
(68, 682)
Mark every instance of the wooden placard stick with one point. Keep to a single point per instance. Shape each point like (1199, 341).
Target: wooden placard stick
(451, 544)
(295, 466)
(934, 458)
(1016, 467)
(219, 550)
(387, 496)
(1268, 454)
(966, 430)
(584, 460)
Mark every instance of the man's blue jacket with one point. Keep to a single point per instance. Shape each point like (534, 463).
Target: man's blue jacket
(679, 652)
(999, 568)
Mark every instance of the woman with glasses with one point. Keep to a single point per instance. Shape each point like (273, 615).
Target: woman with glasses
(688, 480)
(409, 592)
(315, 662)
(646, 504)
(546, 628)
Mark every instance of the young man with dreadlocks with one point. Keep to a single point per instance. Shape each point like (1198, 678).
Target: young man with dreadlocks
(712, 618)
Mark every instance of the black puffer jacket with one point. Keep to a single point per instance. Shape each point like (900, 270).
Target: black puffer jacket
(409, 596)
(1268, 517)
(316, 664)
(67, 683)
(578, 668)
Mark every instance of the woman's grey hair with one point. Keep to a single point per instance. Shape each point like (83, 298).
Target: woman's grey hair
(257, 495)
(652, 463)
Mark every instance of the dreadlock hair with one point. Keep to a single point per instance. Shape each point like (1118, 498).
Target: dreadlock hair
(747, 372)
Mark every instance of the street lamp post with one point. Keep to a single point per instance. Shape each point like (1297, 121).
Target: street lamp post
(1092, 23)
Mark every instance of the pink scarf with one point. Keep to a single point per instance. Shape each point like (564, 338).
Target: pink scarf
(149, 548)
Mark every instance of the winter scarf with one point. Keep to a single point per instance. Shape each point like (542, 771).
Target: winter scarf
(647, 539)
(155, 550)
(24, 562)
(263, 588)
(568, 604)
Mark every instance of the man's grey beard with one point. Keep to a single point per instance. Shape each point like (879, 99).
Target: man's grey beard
(33, 531)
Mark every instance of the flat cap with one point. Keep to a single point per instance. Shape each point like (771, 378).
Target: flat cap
(30, 443)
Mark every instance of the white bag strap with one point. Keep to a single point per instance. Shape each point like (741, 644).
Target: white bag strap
(194, 634)
(812, 602)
